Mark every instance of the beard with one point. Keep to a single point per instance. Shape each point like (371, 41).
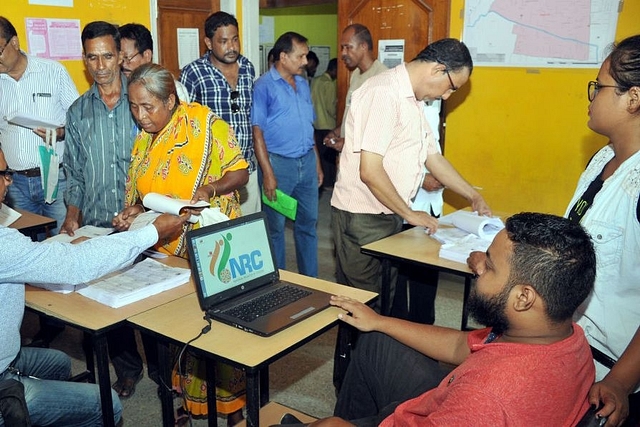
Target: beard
(490, 311)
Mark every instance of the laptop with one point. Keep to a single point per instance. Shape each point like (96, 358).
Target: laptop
(233, 266)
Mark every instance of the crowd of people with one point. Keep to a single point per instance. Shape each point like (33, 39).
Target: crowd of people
(547, 288)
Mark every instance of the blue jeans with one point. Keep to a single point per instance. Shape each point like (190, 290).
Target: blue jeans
(27, 193)
(298, 178)
(51, 399)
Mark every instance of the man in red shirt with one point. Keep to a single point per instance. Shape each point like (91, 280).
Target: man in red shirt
(533, 366)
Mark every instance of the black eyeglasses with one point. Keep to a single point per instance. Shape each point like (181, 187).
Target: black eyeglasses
(594, 87)
(7, 174)
(453, 87)
(235, 95)
(129, 59)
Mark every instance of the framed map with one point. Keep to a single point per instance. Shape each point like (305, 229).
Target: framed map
(540, 33)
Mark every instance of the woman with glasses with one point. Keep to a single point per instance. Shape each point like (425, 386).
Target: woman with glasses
(606, 204)
(184, 151)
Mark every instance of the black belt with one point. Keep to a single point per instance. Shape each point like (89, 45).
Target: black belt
(33, 172)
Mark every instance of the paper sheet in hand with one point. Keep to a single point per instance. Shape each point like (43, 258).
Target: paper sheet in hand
(32, 122)
(284, 203)
(135, 283)
(8, 216)
(166, 204)
(89, 231)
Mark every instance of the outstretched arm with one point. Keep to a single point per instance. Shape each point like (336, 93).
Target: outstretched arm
(444, 344)
(444, 172)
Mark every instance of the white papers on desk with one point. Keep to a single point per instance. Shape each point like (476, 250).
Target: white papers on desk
(470, 232)
(33, 122)
(89, 231)
(8, 216)
(135, 283)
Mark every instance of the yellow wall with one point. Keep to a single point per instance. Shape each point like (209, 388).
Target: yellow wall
(522, 134)
(317, 23)
(115, 11)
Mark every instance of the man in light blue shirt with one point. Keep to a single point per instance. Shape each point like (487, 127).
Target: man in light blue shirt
(282, 119)
(50, 398)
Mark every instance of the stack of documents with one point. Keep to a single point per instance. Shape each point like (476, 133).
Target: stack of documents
(135, 283)
(469, 232)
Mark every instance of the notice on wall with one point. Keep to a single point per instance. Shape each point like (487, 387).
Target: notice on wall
(63, 3)
(188, 46)
(57, 39)
(391, 52)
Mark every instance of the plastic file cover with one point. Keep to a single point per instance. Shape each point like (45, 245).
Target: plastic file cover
(284, 203)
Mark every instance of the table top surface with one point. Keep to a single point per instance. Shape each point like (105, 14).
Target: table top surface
(182, 319)
(414, 245)
(91, 315)
(30, 219)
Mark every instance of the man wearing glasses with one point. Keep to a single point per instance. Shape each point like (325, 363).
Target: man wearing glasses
(44, 373)
(387, 143)
(222, 79)
(136, 45)
(32, 87)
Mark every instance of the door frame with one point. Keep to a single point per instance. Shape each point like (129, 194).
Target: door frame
(249, 23)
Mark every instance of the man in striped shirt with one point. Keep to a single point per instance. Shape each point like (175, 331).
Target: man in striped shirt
(387, 142)
(100, 134)
(32, 87)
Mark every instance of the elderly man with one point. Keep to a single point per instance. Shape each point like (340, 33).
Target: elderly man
(32, 87)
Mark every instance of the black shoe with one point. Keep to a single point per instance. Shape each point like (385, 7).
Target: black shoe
(289, 419)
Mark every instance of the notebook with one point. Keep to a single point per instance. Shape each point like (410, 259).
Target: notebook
(233, 264)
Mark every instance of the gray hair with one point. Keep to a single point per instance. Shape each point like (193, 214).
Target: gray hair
(157, 80)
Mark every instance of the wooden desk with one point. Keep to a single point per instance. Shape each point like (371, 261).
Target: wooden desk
(31, 224)
(415, 247)
(181, 320)
(97, 319)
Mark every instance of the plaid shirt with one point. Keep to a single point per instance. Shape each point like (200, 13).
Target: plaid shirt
(208, 86)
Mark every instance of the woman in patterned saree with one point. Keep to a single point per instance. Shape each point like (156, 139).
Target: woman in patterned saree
(184, 151)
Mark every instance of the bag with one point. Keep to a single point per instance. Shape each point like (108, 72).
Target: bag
(13, 406)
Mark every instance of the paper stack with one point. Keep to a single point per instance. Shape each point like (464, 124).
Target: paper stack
(470, 232)
(135, 283)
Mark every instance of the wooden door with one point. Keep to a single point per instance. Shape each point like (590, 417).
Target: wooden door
(418, 22)
(173, 14)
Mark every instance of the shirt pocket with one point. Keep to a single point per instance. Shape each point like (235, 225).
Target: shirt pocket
(608, 242)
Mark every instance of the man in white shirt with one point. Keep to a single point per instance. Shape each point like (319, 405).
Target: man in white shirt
(36, 88)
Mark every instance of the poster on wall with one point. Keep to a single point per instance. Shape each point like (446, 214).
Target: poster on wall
(391, 52)
(63, 3)
(188, 46)
(57, 39)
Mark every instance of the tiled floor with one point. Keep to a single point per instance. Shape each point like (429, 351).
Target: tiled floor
(303, 379)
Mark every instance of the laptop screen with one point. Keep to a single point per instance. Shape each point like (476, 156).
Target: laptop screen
(231, 258)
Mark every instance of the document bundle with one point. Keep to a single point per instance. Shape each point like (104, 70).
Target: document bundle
(467, 232)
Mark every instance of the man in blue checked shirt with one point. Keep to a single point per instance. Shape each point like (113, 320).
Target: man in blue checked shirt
(222, 79)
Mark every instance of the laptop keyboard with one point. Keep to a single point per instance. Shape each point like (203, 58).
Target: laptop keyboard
(267, 303)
